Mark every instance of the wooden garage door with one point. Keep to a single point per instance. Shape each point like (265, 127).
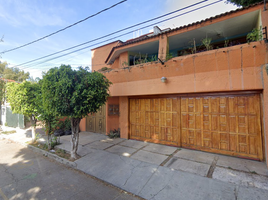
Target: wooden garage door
(221, 124)
(225, 124)
(155, 120)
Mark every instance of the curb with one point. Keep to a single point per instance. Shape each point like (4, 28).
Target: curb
(53, 156)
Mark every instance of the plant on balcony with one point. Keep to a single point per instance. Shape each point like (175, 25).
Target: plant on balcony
(169, 56)
(207, 43)
(193, 46)
(226, 43)
(254, 35)
(125, 64)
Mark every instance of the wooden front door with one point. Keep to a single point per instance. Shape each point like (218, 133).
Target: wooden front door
(96, 122)
(221, 124)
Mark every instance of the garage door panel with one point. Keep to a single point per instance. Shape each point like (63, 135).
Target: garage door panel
(169, 105)
(252, 121)
(214, 104)
(142, 131)
(198, 135)
(252, 145)
(191, 121)
(207, 143)
(206, 122)
(147, 104)
(252, 106)
(214, 122)
(215, 140)
(184, 136)
(224, 146)
(241, 108)
(233, 142)
(162, 104)
(147, 117)
(175, 105)
(223, 126)
(242, 124)
(206, 105)
(184, 105)
(175, 134)
(232, 123)
(147, 131)
(232, 105)
(191, 137)
(198, 121)
(175, 120)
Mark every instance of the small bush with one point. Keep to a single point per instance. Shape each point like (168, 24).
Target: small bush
(114, 133)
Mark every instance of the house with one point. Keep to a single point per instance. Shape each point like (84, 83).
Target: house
(199, 86)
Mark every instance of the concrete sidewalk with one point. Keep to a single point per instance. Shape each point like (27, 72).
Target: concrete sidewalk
(155, 171)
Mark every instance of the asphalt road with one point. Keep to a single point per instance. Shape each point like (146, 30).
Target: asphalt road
(28, 175)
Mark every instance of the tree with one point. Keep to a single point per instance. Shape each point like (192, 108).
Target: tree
(12, 73)
(2, 91)
(74, 93)
(23, 99)
(243, 3)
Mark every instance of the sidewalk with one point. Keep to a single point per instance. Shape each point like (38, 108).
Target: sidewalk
(155, 171)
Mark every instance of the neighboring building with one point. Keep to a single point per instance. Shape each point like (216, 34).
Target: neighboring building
(166, 91)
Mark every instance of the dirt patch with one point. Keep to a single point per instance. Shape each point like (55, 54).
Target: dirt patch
(59, 152)
(8, 132)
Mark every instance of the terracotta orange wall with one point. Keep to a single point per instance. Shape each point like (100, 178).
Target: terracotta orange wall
(112, 122)
(82, 124)
(99, 55)
(123, 59)
(123, 118)
(226, 69)
(264, 16)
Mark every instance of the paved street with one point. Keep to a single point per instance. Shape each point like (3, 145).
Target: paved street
(27, 175)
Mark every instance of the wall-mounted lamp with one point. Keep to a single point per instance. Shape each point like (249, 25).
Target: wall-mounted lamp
(164, 79)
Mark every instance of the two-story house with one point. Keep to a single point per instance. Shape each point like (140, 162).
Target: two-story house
(200, 86)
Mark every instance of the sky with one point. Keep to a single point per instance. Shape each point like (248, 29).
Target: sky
(23, 21)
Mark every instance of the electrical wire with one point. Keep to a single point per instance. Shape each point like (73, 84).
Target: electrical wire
(64, 28)
(114, 33)
(117, 36)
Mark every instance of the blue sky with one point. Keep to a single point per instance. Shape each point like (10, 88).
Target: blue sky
(23, 21)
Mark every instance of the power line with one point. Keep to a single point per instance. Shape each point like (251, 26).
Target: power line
(64, 28)
(27, 66)
(114, 32)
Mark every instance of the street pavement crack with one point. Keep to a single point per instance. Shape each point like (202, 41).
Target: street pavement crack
(132, 171)
(159, 191)
(148, 180)
(13, 178)
(236, 191)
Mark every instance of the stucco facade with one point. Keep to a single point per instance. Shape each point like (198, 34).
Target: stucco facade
(237, 69)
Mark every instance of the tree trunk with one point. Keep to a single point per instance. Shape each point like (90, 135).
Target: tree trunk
(75, 136)
(33, 125)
